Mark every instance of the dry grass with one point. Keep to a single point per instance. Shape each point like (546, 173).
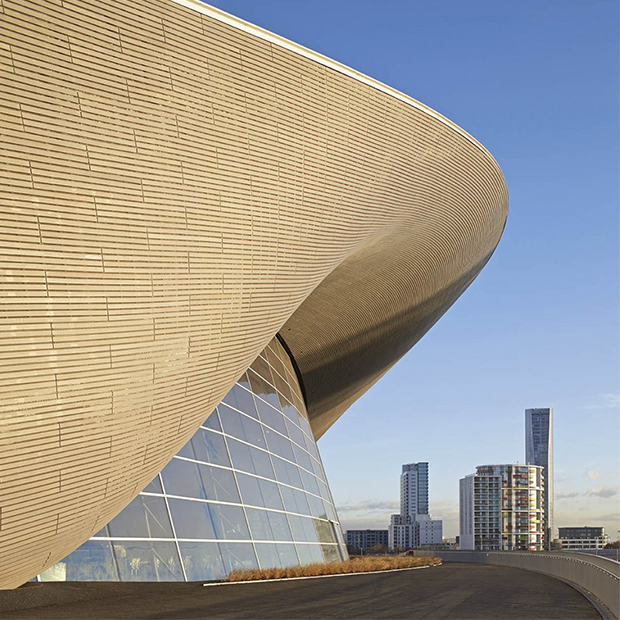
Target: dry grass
(363, 564)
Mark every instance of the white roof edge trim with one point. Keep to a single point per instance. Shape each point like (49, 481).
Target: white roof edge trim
(241, 24)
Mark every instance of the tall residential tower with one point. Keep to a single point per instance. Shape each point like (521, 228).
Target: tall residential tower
(413, 526)
(539, 451)
(414, 489)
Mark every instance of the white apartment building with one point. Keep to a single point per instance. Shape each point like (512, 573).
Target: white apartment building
(501, 508)
(413, 527)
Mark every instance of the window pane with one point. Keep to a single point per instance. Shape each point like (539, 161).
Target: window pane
(310, 530)
(229, 522)
(218, 484)
(252, 460)
(263, 389)
(260, 366)
(147, 561)
(261, 463)
(283, 387)
(309, 554)
(310, 446)
(305, 426)
(268, 415)
(93, 561)
(187, 451)
(259, 524)
(295, 434)
(318, 470)
(317, 508)
(288, 496)
(268, 556)
(290, 412)
(271, 495)
(331, 513)
(250, 490)
(274, 359)
(279, 526)
(238, 556)
(294, 475)
(244, 381)
(181, 478)
(278, 444)
(302, 503)
(288, 555)
(145, 517)
(302, 458)
(154, 486)
(212, 422)
(253, 432)
(191, 519)
(210, 448)
(232, 422)
(281, 470)
(297, 528)
(310, 482)
(242, 400)
(202, 561)
(323, 492)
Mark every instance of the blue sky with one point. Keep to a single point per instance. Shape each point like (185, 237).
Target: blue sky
(537, 84)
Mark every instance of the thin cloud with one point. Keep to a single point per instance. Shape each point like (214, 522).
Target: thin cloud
(603, 492)
(559, 496)
(608, 400)
(370, 506)
(593, 475)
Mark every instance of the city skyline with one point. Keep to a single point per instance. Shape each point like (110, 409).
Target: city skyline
(539, 327)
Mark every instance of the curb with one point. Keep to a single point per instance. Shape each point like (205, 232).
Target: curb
(370, 572)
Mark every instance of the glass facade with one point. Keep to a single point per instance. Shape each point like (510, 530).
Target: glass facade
(247, 491)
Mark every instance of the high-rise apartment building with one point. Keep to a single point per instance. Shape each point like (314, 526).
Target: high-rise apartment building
(501, 508)
(539, 451)
(413, 527)
(414, 489)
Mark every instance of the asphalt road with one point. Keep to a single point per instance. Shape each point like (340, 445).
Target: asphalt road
(450, 591)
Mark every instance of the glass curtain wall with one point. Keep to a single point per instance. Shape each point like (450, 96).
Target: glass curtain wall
(247, 491)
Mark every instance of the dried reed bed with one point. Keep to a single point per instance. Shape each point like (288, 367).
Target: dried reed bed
(355, 565)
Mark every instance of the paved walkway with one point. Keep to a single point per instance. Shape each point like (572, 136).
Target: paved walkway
(466, 591)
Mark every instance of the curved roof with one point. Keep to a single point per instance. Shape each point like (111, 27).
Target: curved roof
(179, 189)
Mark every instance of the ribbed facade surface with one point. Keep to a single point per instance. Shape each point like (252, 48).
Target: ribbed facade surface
(247, 491)
(177, 188)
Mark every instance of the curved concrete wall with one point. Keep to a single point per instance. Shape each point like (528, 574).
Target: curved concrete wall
(176, 188)
(597, 576)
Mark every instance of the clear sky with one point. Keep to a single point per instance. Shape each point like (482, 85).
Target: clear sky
(537, 84)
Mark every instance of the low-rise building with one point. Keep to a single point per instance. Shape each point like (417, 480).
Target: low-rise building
(366, 539)
(582, 538)
(501, 508)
